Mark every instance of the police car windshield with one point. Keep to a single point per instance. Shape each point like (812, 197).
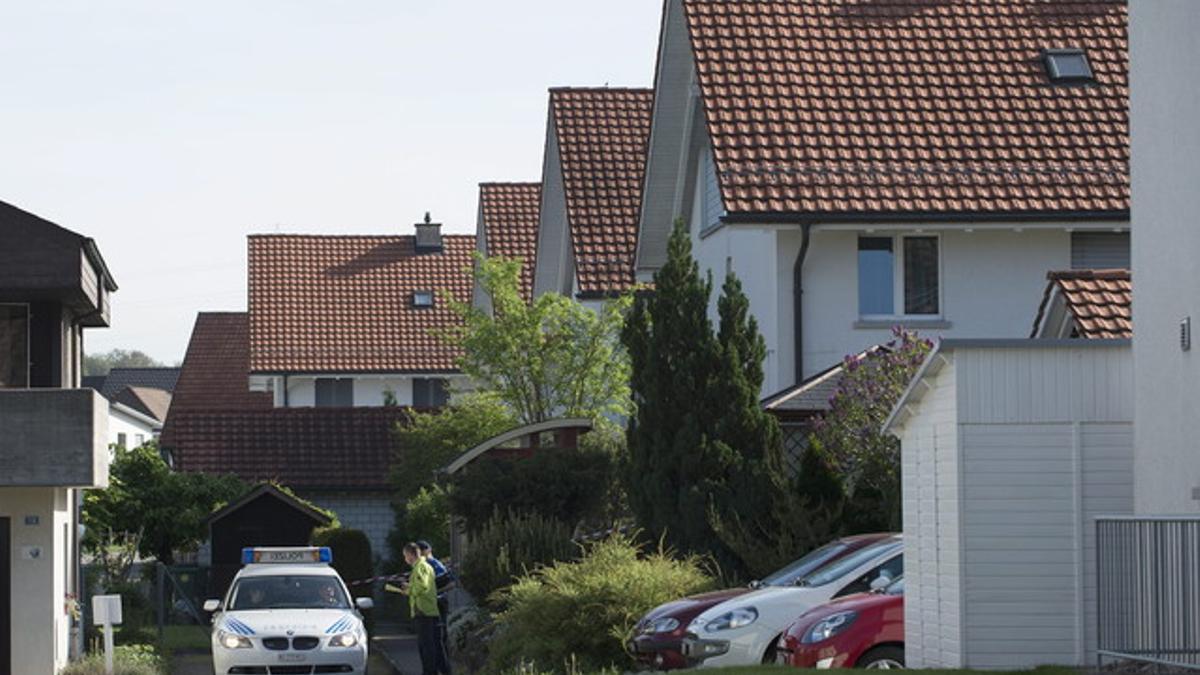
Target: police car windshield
(290, 591)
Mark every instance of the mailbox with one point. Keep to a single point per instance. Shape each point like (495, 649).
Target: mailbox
(106, 609)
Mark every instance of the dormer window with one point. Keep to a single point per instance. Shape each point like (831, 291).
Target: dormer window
(422, 298)
(1068, 66)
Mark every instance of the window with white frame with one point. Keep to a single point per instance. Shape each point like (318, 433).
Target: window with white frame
(899, 276)
(14, 346)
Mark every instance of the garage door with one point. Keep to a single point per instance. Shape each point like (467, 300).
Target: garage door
(5, 599)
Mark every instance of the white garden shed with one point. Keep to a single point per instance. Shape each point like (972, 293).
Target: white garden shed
(1010, 449)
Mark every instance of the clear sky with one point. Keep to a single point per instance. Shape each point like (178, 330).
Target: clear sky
(168, 131)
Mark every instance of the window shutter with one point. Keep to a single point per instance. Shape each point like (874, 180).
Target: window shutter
(1099, 250)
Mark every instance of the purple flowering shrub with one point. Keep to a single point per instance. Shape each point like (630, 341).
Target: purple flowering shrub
(850, 435)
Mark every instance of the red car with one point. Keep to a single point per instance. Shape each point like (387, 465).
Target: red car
(658, 637)
(865, 630)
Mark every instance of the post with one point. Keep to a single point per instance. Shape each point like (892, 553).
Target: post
(106, 611)
(108, 649)
(159, 610)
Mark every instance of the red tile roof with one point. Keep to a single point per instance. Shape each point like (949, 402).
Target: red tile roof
(602, 136)
(216, 368)
(510, 224)
(311, 448)
(343, 304)
(1099, 300)
(216, 425)
(918, 106)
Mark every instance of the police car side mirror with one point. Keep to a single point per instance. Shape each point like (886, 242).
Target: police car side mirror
(212, 605)
(364, 603)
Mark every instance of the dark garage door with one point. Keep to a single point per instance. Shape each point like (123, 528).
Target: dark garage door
(5, 600)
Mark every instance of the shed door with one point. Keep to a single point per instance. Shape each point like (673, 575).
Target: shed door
(5, 599)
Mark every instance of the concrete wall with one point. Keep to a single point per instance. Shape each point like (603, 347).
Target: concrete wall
(53, 437)
(42, 565)
(1165, 102)
(1041, 444)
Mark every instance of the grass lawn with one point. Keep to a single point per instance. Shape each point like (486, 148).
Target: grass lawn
(783, 669)
(185, 638)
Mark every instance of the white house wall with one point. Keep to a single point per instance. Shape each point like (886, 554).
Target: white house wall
(40, 634)
(120, 423)
(751, 254)
(1165, 103)
(991, 282)
(553, 269)
(368, 390)
(932, 562)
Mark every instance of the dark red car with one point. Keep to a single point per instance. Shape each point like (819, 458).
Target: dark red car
(658, 637)
(865, 630)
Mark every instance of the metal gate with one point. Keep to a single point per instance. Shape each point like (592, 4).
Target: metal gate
(1148, 577)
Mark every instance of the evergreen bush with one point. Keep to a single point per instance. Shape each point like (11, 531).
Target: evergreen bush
(511, 544)
(568, 485)
(351, 555)
(577, 616)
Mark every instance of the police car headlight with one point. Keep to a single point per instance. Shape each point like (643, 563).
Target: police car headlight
(231, 641)
(343, 640)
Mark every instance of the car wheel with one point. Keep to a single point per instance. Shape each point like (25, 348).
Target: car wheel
(883, 658)
(769, 655)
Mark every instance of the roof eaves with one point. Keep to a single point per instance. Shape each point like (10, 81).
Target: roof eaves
(964, 217)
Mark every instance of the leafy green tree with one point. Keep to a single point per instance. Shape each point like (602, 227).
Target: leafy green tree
(100, 364)
(429, 441)
(546, 358)
(145, 499)
(850, 435)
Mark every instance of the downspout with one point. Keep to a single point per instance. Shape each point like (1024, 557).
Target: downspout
(798, 301)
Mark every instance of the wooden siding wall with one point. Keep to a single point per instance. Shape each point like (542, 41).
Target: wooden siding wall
(929, 476)
(1006, 462)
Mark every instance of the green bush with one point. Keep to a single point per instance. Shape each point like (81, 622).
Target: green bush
(351, 554)
(127, 660)
(578, 615)
(511, 544)
(425, 516)
(570, 485)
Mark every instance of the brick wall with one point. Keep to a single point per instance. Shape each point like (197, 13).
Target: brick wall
(370, 512)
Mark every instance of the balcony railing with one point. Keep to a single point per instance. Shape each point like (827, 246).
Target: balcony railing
(1148, 577)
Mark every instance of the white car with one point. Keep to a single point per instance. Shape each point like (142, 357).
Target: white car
(288, 611)
(744, 630)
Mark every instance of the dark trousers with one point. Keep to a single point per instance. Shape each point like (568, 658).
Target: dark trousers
(429, 643)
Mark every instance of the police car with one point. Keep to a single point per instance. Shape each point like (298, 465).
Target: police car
(288, 611)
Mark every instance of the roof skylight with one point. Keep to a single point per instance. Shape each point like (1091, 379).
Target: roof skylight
(1068, 66)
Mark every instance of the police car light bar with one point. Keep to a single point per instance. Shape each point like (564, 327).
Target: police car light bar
(298, 554)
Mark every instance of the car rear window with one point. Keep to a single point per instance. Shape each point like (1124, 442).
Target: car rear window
(843, 566)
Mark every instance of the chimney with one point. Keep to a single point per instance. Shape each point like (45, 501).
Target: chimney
(429, 236)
